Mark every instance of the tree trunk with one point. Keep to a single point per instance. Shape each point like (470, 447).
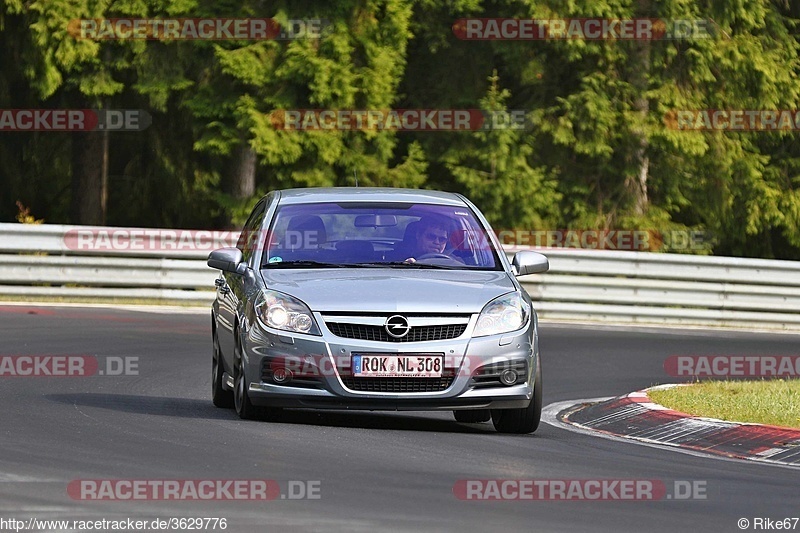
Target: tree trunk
(640, 189)
(640, 69)
(242, 180)
(89, 177)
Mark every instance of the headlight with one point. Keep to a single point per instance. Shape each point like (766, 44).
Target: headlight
(281, 311)
(503, 314)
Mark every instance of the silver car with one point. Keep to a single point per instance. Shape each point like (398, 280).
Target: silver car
(376, 299)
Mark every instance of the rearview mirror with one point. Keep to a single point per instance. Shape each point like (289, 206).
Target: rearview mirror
(527, 262)
(375, 221)
(227, 260)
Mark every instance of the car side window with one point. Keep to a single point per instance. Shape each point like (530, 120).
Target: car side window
(249, 238)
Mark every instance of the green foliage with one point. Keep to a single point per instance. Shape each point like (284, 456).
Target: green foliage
(598, 152)
(494, 168)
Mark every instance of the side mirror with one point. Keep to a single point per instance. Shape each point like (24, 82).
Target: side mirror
(227, 260)
(527, 262)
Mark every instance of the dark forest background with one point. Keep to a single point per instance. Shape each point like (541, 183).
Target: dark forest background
(597, 154)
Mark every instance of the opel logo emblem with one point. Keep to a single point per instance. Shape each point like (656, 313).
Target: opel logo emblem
(397, 326)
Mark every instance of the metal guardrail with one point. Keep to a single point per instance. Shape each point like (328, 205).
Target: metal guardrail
(46, 261)
(40, 262)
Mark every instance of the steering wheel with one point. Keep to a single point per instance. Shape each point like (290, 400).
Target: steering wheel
(434, 255)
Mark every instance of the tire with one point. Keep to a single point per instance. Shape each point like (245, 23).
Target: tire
(222, 398)
(472, 416)
(523, 420)
(241, 400)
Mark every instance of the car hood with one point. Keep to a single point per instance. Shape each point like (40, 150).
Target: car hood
(390, 290)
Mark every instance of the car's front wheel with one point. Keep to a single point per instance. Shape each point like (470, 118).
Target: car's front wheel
(526, 419)
(221, 397)
(244, 408)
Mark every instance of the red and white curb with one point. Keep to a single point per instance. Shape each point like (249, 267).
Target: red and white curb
(636, 417)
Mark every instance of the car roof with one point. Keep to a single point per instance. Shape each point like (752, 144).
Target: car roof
(368, 194)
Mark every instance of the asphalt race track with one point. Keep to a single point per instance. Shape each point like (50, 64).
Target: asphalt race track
(376, 471)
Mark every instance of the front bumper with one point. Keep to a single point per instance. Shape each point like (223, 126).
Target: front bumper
(318, 368)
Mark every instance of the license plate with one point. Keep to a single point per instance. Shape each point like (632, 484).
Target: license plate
(397, 366)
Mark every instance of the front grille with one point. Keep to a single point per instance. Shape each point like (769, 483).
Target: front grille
(397, 384)
(378, 333)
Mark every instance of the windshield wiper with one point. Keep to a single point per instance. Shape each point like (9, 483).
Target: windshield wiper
(306, 263)
(410, 265)
(310, 264)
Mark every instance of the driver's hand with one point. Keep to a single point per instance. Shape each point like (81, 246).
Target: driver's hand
(410, 260)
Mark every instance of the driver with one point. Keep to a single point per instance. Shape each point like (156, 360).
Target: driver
(430, 238)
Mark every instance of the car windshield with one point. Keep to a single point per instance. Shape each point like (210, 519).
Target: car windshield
(378, 235)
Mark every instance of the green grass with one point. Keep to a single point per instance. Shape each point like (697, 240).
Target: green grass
(775, 402)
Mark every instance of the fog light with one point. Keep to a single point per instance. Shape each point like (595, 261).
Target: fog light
(281, 375)
(508, 377)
